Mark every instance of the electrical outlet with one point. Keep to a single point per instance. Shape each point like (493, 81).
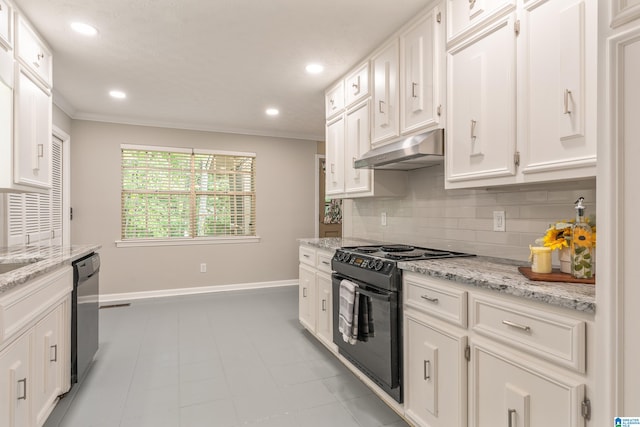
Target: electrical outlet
(499, 221)
(383, 218)
(203, 268)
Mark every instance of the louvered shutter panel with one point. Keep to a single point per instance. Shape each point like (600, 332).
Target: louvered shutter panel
(56, 192)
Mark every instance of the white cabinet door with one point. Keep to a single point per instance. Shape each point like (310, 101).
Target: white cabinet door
(465, 15)
(16, 379)
(334, 100)
(385, 94)
(49, 358)
(507, 393)
(481, 112)
(324, 307)
(32, 136)
(307, 297)
(32, 51)
(420, 59)
(557, 100)
(335, 158)
(356, 85)
(357, 142)
(6, 16)
(435, 374)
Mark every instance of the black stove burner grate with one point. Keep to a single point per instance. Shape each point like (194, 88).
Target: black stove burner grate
(396, 248)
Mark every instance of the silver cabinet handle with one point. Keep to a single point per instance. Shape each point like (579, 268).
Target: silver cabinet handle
(331, 101)
(516, 325)
(55, 353)
(306, 256)
(24, 389)
(325, 262)
(510, 413)
(567, 95)
(473, 129)
(413, 90)
(427, 370)
(356, 86)
(304, 292)
(333, 167)
(430, 299)
(472, 3)
(380, 106)
(40, 150)
(324, 305)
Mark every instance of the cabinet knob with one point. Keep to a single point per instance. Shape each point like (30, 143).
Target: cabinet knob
(510, 413)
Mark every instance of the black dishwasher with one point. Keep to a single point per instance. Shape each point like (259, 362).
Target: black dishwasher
(84, 315)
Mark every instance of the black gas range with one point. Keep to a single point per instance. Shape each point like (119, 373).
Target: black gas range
(378, 264)
(373, 272)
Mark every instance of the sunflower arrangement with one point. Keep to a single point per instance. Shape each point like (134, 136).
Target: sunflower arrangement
(558, 235)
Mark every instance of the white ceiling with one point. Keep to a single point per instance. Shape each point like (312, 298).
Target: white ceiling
(210, 64)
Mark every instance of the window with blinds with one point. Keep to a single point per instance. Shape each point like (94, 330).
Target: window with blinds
(174, 193)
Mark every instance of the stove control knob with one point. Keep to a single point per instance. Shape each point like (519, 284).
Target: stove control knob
(378, 265)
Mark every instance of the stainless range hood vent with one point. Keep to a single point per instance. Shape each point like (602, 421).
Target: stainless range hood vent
(414, 152)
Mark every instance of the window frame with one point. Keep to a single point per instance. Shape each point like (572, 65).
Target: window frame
(194, 240)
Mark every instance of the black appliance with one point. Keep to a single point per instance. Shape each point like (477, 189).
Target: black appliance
(84, 315)
(374, 269)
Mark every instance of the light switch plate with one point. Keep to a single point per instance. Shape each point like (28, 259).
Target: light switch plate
(383, 218)
(499, 221)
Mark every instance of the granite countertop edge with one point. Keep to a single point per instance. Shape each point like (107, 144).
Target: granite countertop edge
(42, 259)
(497, 274)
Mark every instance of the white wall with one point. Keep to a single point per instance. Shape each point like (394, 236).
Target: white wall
(463, 219)
(285, 200)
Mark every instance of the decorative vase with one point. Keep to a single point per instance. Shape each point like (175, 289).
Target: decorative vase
(565, 260)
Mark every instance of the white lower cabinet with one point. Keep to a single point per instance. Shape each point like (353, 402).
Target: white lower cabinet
(509, 392)
(35, 341)
(435, 373)
(315, 295)
(15, 393)
(516, 364)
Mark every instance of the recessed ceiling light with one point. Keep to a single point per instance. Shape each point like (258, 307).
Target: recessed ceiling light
(118, 94)
(272, 111)
(314, 68)
(84, 29)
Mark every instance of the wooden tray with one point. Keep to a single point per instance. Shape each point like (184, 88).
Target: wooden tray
(555, 276)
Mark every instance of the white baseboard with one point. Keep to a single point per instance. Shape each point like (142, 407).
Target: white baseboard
(130, 296)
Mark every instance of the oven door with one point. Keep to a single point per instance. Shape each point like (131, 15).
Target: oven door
(380, 356)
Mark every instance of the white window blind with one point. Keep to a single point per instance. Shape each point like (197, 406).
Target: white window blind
(171, 193)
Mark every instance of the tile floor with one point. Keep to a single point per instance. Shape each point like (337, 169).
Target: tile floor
(217, 360)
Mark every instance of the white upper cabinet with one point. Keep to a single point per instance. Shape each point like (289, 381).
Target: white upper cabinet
(481, 124)
(357, 85)
(6, 20)
(357, 143)
(420, 79)
(624, 11)
(386, 113)
(334, 100)
(558, 92)
(335, 157)
(32, 52)
(32, 132)
(463, 16)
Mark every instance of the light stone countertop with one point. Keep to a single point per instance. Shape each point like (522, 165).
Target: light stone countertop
(500, 275)
(42, 259)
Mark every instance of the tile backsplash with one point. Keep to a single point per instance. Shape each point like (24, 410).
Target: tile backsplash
(462, 220)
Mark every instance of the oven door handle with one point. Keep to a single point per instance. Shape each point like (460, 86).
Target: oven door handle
(385, 296)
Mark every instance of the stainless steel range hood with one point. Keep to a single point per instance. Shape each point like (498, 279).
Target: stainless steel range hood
(414, 152)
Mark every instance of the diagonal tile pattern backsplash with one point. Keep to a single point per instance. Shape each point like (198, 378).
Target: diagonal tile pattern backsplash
(462, 220)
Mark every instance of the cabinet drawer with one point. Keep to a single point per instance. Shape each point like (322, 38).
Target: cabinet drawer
(357, 85)
(323, 261)
(32, 51)
(19, 307)
(334, 100)
(556, 338)
(307, 255)
(436, 298)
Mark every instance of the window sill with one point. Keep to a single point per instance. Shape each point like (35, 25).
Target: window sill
(186, 242)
